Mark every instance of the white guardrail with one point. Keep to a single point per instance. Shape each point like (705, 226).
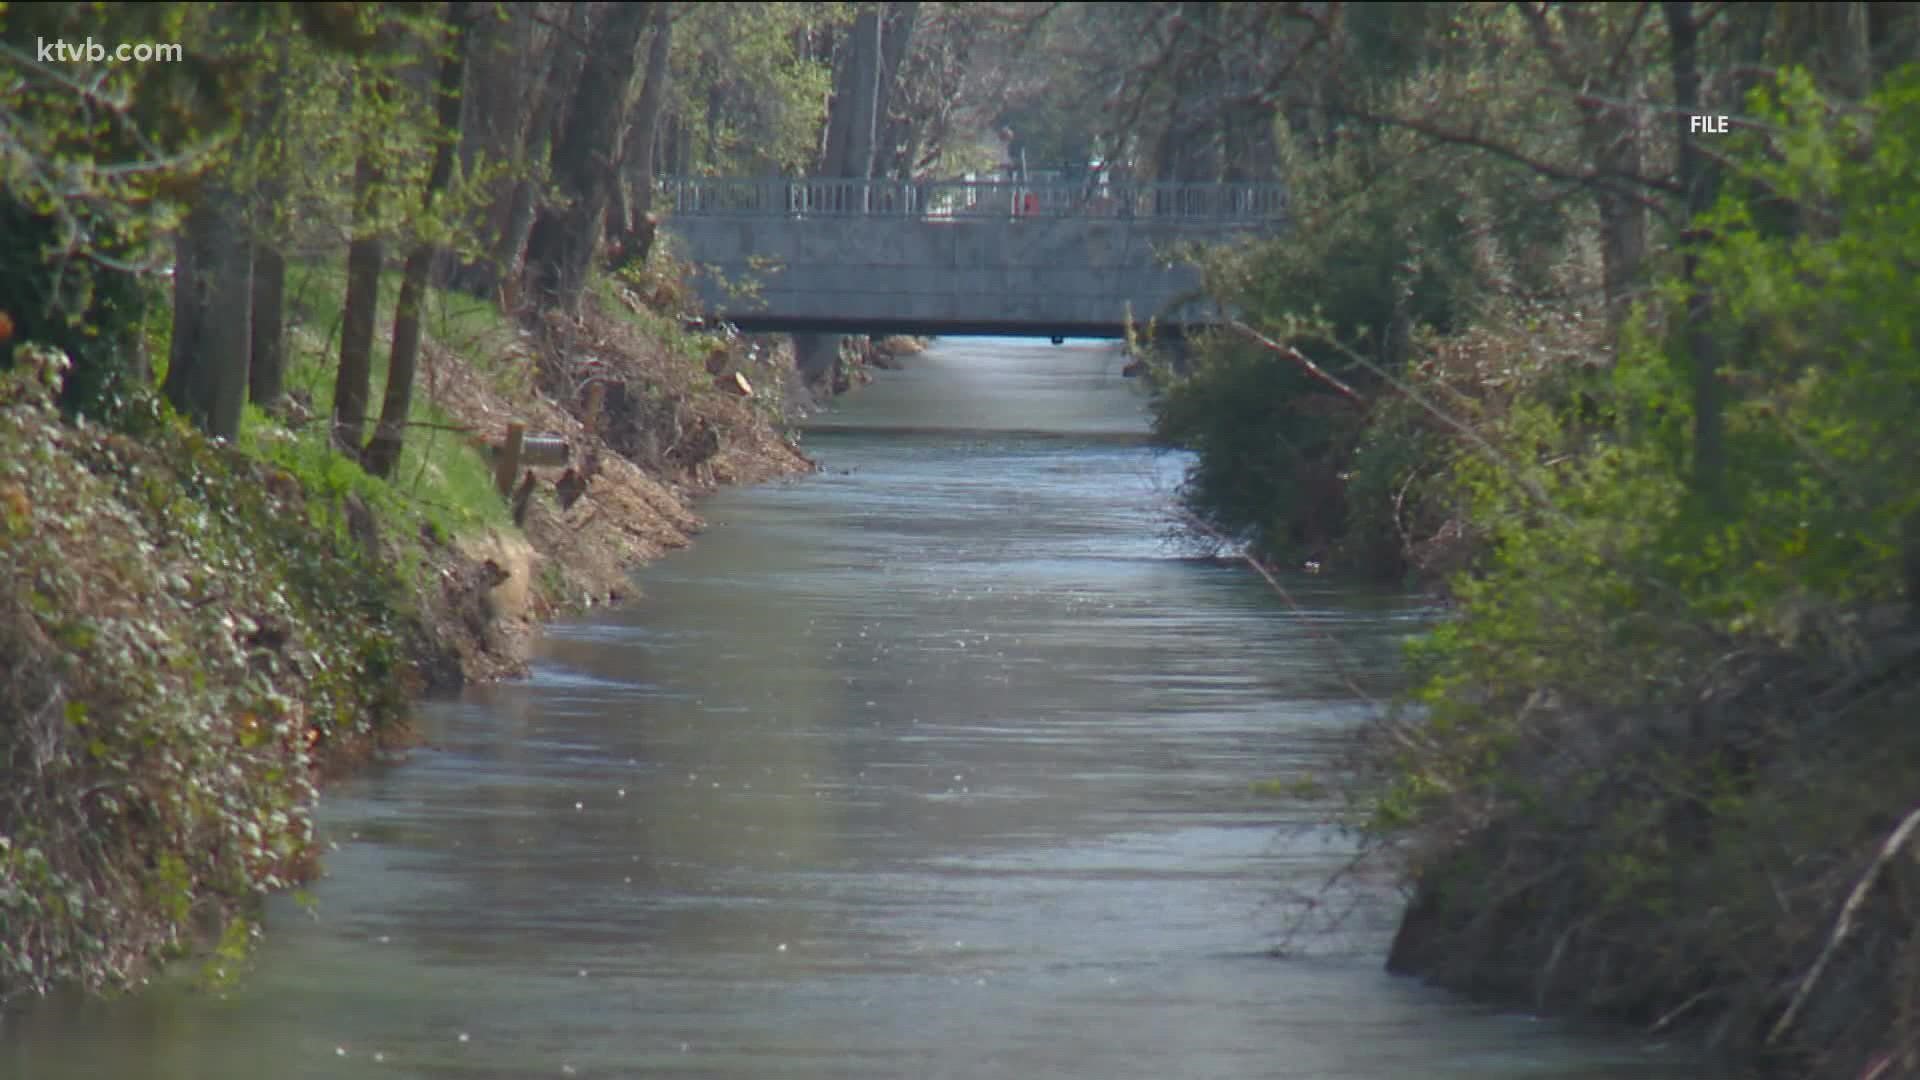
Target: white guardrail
(958, 199)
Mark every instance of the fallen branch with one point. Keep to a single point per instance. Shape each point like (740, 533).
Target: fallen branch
(1678, 1011)
(1300, 358)
(1844, 925)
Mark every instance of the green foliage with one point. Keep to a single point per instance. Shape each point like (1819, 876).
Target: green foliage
(1265, 438)
(1372, 254)
(189, 632)
(276, 101)
(1654, 716)
(1369, 239)
(1820, 433)
(443, 481)
(87, 309)
(87, 155)
(756, 102)
(321, 108)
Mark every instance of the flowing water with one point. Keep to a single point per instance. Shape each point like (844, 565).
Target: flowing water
(941, 763)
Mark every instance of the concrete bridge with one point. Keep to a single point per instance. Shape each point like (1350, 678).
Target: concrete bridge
(1053, 259)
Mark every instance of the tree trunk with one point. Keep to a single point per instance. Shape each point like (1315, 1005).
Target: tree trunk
(645, 130)
(1910, 559)
(212, 324)
(1696, 182)
(1614, 143)
(667, 159)
(504, 58)
(833, 145)
(267, 371)
(1893, 37)
(864, 82)
(267, 368)
(515, 214)
(364, 258)
(851, 120)
(1834, 41)
(561, 243)
(383, 453)
(897, 39)
(505, 265)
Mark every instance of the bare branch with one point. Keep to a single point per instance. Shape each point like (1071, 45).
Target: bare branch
(1584, 177)
(1844, 924)
(1627, 39)
(1555, 49)
(1305, 363)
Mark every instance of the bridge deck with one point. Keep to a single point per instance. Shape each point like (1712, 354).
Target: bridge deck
(1068, 260)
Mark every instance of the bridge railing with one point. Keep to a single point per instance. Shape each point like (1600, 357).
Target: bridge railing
(970, 199)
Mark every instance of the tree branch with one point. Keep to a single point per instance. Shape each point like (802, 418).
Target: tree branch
(1305, 363)
(1844, 924)
(1626, 41)
(1589, 177)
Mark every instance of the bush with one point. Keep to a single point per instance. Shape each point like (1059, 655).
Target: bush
(91, 312)
(185, 634)
(1373, 255)
(1669, 729)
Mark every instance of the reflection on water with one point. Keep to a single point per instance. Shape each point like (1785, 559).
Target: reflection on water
(938, 764)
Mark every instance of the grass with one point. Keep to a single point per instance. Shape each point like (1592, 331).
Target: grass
(474, 328)
(443, 484)
(662, 326)
(442, 481)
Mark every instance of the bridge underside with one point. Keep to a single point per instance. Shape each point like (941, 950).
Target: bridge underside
(786, 324)
(1030, 277)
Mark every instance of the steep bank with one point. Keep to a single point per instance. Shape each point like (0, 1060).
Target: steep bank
(193, 634)
(667, 424)
(1721, 851)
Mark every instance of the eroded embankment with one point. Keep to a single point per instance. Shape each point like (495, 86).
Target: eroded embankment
(661, 429)
(192, 637)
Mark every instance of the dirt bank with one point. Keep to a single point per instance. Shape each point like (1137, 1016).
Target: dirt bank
(662, 429)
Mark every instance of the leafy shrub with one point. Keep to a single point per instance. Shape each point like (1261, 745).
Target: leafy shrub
(91, 312)
(1372, 255)
(1666, 732)
(179, 648)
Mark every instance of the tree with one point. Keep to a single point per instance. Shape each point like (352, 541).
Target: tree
(92, 157)
(1595, 53)
(748, 88)
(896, 42)
(648, 110)
(560, 247)
(852, 123)
(366, 254)
(383, 453)
(947, 87)
(1696, 182)
(212, 333)
(210, 357)
(267, 130)
(521, 58)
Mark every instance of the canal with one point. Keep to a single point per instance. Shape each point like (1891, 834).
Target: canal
(944, 762)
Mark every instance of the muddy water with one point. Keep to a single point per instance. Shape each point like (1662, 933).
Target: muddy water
(939, 764)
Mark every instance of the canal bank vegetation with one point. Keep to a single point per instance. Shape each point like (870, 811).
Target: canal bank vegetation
(1635, 388)
(226, 563)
